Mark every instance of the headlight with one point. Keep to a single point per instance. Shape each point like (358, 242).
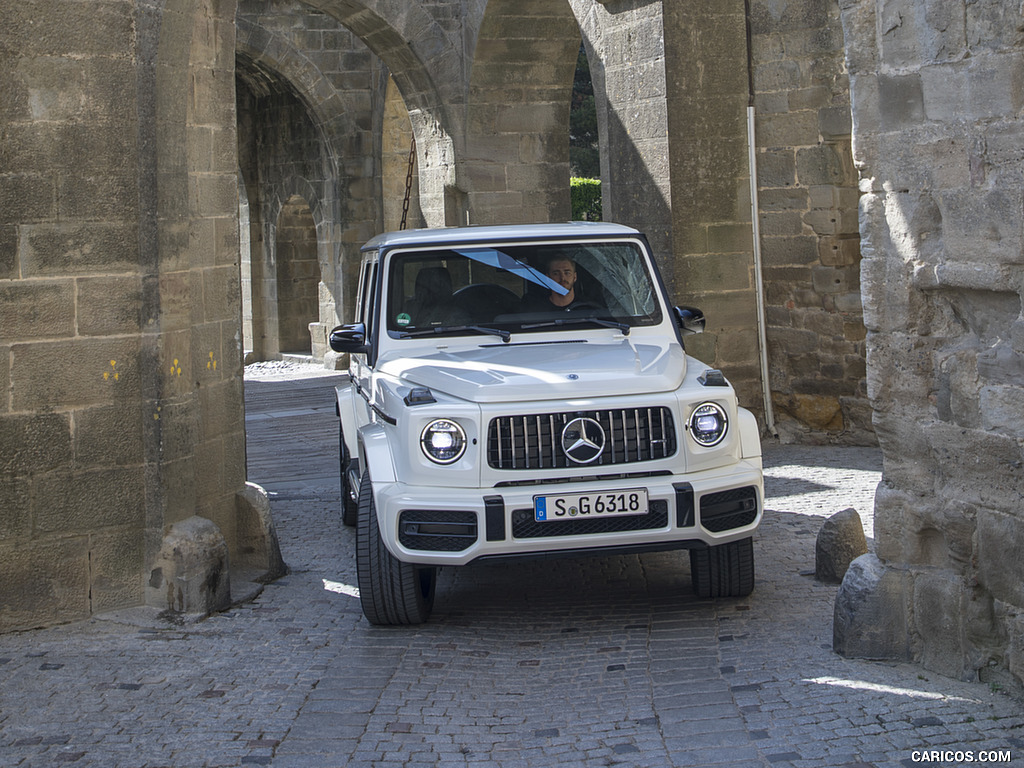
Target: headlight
(443, 441)
(708, 424)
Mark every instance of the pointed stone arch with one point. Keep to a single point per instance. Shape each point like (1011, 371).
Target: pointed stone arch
(337, 182)
(426, 63)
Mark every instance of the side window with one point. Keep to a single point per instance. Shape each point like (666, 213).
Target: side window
(366, 297)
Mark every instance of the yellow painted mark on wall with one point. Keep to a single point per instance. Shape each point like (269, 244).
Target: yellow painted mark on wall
(175, 368)
(211, 364)
(112, 373)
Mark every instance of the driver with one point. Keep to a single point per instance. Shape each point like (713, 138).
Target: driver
(563, 272)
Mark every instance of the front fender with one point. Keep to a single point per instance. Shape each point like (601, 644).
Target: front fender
(750, 434)
(375, 452)
(347, 415)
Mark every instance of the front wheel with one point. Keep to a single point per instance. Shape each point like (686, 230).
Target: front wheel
(390, 591)
(725, 570)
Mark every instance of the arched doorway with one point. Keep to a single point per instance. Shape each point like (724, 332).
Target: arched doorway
(399, 164)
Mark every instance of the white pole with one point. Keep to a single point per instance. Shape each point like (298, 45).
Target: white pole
(769, 413)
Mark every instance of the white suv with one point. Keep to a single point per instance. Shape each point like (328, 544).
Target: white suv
(522, 392)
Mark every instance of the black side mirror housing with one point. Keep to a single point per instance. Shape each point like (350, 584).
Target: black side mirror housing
(689, 319)
(349, 338)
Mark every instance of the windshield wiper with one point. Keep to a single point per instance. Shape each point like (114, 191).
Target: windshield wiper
(577, 320)
(505, 335)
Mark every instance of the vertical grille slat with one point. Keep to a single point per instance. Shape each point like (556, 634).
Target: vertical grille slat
(534, 441)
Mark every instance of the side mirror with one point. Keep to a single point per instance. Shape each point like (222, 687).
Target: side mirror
(349, 338)
(690, 319)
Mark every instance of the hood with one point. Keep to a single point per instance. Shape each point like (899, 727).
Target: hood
(563, 370)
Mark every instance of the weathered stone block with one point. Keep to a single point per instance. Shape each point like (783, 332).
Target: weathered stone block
(191, 574)
(792, 129)
(870, 616)
(8, 251)
(15, 501)
(825, 164)
(258, 546)
(832, 279)
(840, 541)
(27, 197)
(901, 101)
(835, 122)
(39, 442)
(77, 248)
(37, 310)
(776, 168)
(31, 596)
(799, 251)
(821, 412)
(107, 436)
(116, 560)
(92, 372)
(938, 617)
(1000, 542)
(83, 501)
(109, 305)
(839, 251)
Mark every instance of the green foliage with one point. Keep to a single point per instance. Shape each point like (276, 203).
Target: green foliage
(586, 199)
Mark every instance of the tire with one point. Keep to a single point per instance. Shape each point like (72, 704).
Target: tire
(726, 570)
(391, 592)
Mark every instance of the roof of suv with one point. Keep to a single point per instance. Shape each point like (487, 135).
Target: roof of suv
(448, 235)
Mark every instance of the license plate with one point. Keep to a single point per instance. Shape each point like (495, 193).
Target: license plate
(632, 501)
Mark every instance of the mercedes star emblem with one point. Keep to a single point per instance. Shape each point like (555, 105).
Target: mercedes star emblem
(583, 440)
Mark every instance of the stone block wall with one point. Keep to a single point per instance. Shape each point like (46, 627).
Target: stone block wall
(937, 98)
(72, 305)
(810, 237)
(121, 410)
(515, 167)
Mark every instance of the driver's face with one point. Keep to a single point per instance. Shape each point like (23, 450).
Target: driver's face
(562, 272)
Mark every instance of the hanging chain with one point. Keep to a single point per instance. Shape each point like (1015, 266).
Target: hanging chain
(408, 184)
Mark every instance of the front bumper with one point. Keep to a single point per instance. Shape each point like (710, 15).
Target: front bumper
(456, 526)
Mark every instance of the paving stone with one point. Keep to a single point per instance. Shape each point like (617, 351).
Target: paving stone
(638, 672)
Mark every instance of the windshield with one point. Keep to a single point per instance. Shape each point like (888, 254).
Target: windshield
(519, 288)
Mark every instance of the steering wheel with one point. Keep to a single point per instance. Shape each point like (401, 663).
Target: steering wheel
(583, 305)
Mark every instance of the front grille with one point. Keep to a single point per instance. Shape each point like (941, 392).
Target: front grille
(728, 509)
(535, 441)
(524, 526)
(437, 530)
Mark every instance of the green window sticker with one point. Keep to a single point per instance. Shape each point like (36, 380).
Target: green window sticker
(403, 319)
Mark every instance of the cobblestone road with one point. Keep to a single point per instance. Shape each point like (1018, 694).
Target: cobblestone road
(586, 662)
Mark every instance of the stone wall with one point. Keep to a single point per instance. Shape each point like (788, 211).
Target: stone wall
(807, 189)
(120, 359)
(937, 93)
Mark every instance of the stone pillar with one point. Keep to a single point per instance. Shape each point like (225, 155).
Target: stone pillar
(122, 411)
(708, 92)
(516, 163)
(810, 236)
(936, 102)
